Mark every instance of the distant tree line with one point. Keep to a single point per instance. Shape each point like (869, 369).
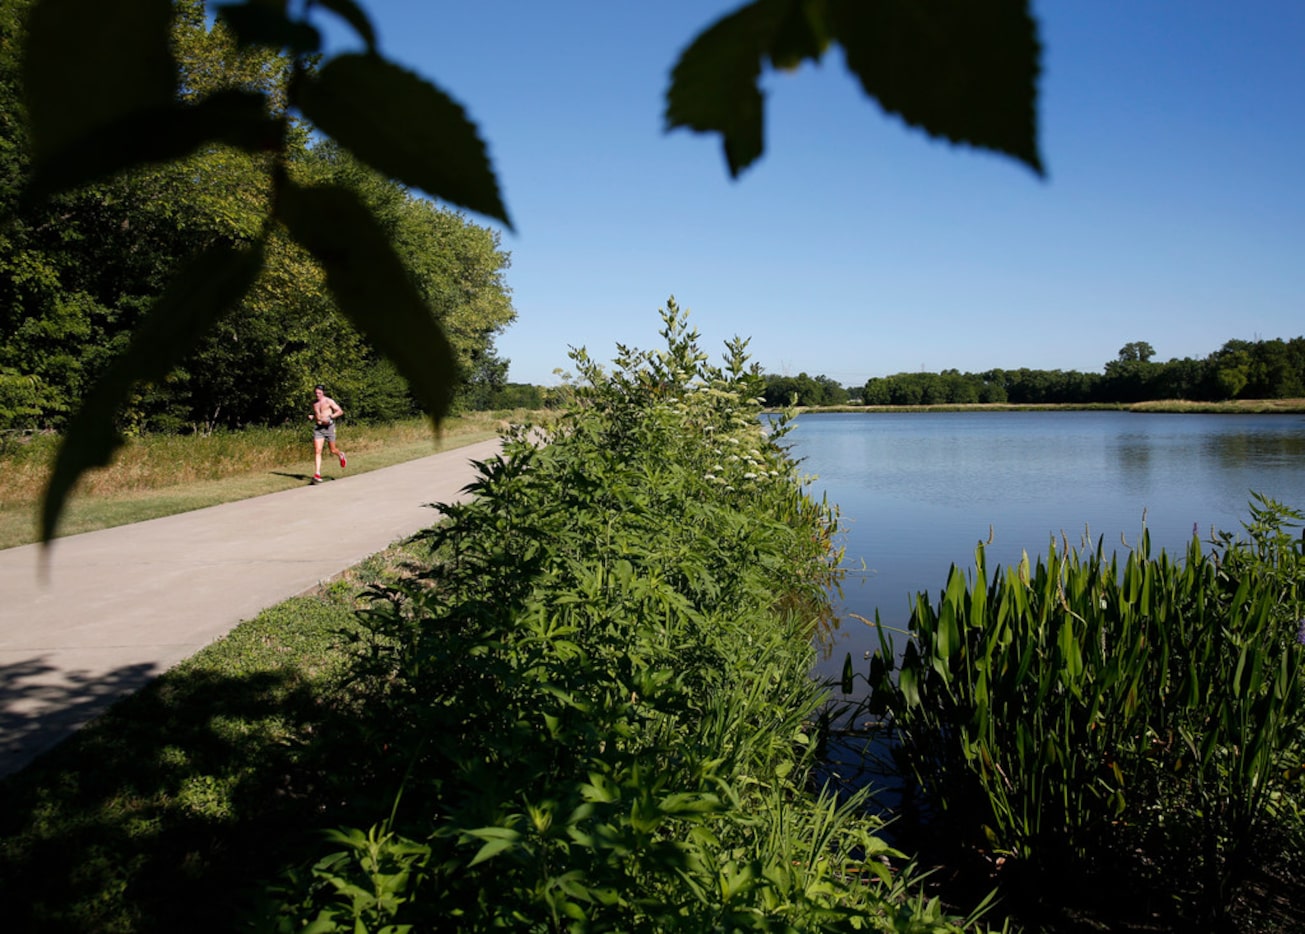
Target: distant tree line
(483, 396)
(78, 272)
(1262, 369)
(808, 390)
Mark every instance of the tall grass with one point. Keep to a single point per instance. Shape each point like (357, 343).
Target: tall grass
(158, 475)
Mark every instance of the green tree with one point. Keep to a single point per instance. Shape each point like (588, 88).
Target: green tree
(1184, 379)
(82, 267)
(993, 386)
(875, 391)
(1136, 352)
(1131, 377)
(107, 254)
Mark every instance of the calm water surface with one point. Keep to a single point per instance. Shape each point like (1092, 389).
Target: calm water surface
(918, 491)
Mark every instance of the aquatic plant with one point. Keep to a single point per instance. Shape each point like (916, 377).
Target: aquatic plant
(1073, 717)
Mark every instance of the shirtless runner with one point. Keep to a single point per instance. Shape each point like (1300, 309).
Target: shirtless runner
(325, 412)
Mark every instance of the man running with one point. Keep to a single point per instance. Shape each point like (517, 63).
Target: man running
(325, 412)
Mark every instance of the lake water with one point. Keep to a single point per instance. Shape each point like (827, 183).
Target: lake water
(918, 490)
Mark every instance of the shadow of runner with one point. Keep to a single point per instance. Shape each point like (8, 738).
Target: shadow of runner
(305, 477)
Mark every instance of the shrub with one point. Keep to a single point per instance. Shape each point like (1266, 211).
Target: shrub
(601, 688)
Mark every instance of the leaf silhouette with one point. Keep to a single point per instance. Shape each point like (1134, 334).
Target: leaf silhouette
(90, 63)
(212, 282)
(354, 15)
(404, 127)
(962, 70)
(372, 287)
(714, 84)
(256, 23)
(237, 118)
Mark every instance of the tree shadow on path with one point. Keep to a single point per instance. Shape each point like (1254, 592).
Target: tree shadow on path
(174, 809)
(40, 704)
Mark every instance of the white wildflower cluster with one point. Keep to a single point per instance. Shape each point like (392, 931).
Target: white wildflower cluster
(740, 456)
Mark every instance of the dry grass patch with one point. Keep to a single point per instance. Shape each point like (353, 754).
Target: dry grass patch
(161, 475)
(1235, 406)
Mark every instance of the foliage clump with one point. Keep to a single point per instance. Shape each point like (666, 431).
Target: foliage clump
(600, 690)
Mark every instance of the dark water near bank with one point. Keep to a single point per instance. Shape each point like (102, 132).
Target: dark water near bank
(917, 491)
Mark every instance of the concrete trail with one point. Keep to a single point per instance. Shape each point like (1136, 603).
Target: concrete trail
(122, 605)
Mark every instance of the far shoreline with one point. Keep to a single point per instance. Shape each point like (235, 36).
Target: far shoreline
(1167, 406)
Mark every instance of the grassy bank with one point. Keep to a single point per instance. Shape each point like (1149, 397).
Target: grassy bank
(170, 812)
(160, 475)
(1236, 407)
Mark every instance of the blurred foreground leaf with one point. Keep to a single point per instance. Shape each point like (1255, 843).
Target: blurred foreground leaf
(372, 287)
(213, 281)
(404, 127)
(961, 70)
(236, 118)
(90, 63)
(354, 15)
(256, 23)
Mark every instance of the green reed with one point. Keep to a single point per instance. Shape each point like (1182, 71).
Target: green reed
(1077, 716)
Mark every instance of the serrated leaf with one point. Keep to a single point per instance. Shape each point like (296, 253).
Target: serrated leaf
(259, 23)
(714, 83)
(89, 63)
(353, 14)
(962, 70)
(802, 33)
(236, 118)
(210, 283)
(372, 287)
(404, 127)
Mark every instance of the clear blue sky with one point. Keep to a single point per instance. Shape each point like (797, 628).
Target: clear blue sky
(1173, 211)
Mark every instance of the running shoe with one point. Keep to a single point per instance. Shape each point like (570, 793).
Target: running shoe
(317, 478)
(343, 463)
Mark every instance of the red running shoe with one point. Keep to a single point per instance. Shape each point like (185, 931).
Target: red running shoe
(343, 463)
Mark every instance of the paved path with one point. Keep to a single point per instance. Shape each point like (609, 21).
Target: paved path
(120, 606)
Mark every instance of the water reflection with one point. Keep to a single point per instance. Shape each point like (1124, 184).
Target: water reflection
(918, 491)
(1237, 451)
(1133, 454)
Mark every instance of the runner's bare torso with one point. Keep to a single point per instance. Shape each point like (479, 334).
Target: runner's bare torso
(325, 410)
